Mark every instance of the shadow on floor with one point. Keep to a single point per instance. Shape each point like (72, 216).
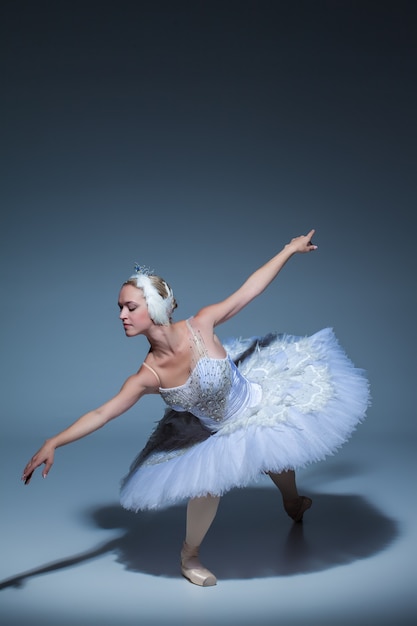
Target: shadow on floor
(251, 537)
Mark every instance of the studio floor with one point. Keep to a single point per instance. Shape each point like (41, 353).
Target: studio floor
(71, 555)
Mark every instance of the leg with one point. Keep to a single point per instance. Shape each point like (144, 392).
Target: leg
(294, 504)
(200, 515)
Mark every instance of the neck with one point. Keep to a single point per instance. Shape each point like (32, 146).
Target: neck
(165, 339)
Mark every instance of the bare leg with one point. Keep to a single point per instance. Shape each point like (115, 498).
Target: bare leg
(200, 515)
(294, 504)
(285, 481)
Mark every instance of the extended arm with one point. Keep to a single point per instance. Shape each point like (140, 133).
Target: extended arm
(132, 390)
(257, 282)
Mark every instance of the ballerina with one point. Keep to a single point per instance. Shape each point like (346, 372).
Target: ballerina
(237, 410)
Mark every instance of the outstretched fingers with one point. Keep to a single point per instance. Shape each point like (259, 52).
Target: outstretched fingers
(28, 472)
(27, 476)
(309, 237)
(310, 234)
(45, 458)
(303, 243)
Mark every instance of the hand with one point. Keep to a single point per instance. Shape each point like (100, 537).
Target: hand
(44, 456)
(302, 243)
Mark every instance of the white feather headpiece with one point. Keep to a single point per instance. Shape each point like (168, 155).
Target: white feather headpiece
(159, 308)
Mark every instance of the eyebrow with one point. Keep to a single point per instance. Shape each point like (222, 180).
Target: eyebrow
(128, 302)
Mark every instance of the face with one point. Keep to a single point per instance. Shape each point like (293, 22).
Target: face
(133, 311)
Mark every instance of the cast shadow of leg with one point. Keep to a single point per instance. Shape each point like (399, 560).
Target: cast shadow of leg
(251, 537)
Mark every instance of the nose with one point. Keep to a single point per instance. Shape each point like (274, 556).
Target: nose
(122, 315)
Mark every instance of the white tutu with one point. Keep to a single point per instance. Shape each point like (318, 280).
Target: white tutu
(312, 399)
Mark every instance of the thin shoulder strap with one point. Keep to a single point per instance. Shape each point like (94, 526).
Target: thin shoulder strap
(199, 347)
(153, 372)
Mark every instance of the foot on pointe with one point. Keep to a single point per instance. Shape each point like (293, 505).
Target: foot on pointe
(296, 507)
(192, 569)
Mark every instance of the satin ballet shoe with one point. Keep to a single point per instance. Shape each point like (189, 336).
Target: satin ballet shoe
(296, 507)
(192, 569)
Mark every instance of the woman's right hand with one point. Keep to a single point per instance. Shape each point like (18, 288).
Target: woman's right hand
(44, 456)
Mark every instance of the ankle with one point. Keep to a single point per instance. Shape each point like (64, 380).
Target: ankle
(189, 552)
(296, 507)
(291, 501)
(192, 569)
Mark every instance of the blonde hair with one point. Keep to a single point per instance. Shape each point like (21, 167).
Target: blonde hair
(158, 295)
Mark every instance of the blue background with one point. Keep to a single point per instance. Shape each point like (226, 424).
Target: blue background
(198, 138)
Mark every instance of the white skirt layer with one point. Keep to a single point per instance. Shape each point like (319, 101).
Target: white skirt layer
(313, 397)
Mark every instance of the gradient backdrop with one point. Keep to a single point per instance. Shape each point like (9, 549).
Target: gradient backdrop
(198, 137)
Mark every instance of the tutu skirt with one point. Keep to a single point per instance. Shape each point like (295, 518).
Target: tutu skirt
(313, 397)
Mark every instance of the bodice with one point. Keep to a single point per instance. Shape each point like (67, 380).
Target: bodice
(215, 390)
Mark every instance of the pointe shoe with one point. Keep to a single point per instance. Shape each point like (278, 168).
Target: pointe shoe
(192, 569)
(296, 507)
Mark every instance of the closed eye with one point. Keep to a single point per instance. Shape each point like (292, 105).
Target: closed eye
(131, 306)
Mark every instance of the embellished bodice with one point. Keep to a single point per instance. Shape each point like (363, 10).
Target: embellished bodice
(215, 389)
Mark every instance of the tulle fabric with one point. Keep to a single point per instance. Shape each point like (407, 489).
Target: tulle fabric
(312, 399)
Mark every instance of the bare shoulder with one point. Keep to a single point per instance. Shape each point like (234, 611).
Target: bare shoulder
(134, 387)
(204, 322)
(139, 384)
(147, 378)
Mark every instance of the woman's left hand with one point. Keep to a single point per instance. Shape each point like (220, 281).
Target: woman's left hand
(302, 243)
